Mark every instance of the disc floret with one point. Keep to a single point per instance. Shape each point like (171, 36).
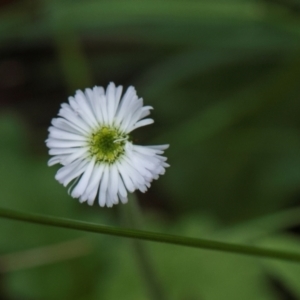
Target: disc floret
(107, 144)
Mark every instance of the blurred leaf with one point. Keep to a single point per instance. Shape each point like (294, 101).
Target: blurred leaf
(286, 272)
(188, 274)
(173, 22)
(238, 153)
(259, 228)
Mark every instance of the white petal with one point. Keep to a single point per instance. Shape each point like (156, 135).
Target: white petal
(135, 117)
(67, 173)
(80, 153)
(64, 135)
(141, 123)
(113, 181)
(124, 103)
(145, 111)
(104, 109)
(122, 191)
(74, 118)
(84, 109)
(123, 199)
(103, 186)
(118, 94)
(66, 125)
(84, 180)
(58, 151)
(132, 115)
(160, 147)
(94, 185)
(54, 143)
(110, 95)
(146, 150)
(54, 160)
(97, 105)
(93, 103)
(126, 179)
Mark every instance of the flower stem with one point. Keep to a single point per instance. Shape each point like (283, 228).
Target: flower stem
(132, 218)
(151, 236)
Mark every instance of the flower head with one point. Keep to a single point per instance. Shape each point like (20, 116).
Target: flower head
(90, 139)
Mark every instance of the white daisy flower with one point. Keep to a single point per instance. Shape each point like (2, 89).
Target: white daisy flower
(90, 138)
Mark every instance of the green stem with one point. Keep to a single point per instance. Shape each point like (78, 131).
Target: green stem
(151, 236)
(132, 218)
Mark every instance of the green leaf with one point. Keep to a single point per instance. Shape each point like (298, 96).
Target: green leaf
(287, 273)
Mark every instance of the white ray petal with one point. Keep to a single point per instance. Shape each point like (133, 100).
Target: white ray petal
(53, 161)
(54, 143)
(84, 109)
(72, 173)
(145, 111)
(125, 177)
(103, 186)
(84, 181)
(66, 125)
(58, 151)
(80, 153)
(118, 94)
(141, 123)
(64, 135)
(111, 102)
(113, 181)
(122, 190)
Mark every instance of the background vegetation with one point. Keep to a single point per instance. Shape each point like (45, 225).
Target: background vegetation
(223, 78)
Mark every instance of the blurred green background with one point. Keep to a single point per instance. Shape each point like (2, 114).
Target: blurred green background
(223, 78)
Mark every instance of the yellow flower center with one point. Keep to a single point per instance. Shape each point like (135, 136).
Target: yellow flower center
(107, 144)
